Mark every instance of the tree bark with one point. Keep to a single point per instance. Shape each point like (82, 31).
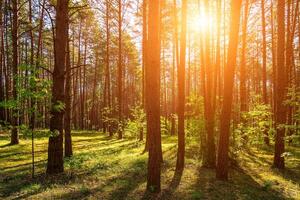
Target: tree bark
(120, 74)
(243, 71)
(55, 146)
(68, 99)
(153, 97)
(2, 60)
(280, 114)
(14, 131)
(222, 162)
(210, 153)
(181, 90)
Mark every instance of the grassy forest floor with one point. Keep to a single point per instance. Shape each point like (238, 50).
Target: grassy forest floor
(107, 168)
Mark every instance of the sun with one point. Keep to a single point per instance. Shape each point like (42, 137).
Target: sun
(200, 22)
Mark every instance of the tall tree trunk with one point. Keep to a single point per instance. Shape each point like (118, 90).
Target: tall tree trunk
(264, 52)
(175, 65)
(145, 41)
(225, 118)
(120, 74)
(280, 114)
(152, 97)
(181, 90)
(243, 73)
(32, 100)
(107, 103)
(217, 82)
(14, 131)
(210, 154)
(274, 73)
(55, 146)
(145, 37)
(2, 61)
(67, 117)
(264, 68)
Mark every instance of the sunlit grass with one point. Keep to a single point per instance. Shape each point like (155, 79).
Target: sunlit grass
(107, 168)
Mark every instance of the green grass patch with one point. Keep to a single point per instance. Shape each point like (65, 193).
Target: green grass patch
(107, 168)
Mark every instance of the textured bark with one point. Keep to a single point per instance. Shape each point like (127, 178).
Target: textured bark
(181, 90)
(264, 53)
(67, 117)
(175, 65)
(55, 146)
(273, 60)
(14, 131)
(243, 72)
(145, 5)
(153, 97)
(145, 38)
(210, 153)
(2, 60)
(264, 68)
(107, 102)
(280, 113)
(223, 150)
(120, 74)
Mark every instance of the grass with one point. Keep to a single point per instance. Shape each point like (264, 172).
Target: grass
(107, 168)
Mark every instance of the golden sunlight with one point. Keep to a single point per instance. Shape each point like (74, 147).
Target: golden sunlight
(200, 22)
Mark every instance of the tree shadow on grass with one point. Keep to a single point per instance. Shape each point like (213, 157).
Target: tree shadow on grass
(289, 174)
(131, 178)
(168, 193)
(292, 173)
(240, 186)
(24, 167)
(117, 187)
(23, 182)
(5, 145)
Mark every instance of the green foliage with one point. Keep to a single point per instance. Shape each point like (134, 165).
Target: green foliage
(267, 185)
(54, 133)
(110, 119)
(193, 112)
(137, 122)
(58, 106)
(30, 89)
(31, 188)
(293, 102)
(254, 124)
(195, 195)
(75, 162)
(164, 125)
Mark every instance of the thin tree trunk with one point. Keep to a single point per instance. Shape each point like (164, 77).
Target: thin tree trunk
(120, 74)
(243, 72)
(181, 90)
(2, 61)
(210, 154)
(14, 131)
(67, 117)
(145, 41)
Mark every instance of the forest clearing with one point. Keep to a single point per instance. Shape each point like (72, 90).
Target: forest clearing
(108, 168)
